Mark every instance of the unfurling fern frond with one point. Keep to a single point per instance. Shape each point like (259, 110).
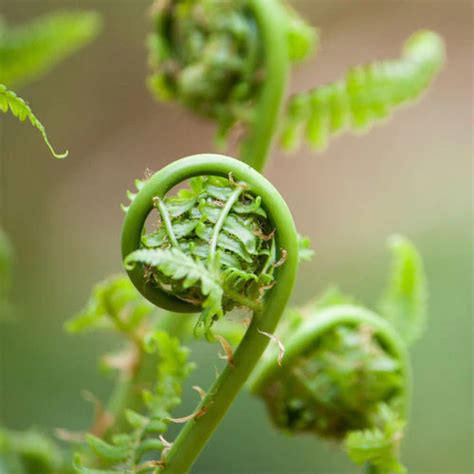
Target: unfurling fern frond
(367, 94)
(345, 373)
(210, 55)
(213, 247)
(128, 451)
(404, 300)
(30, 50)
(20, 109)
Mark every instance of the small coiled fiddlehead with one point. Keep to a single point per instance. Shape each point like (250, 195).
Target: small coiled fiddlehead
(346, 371)
(229, 61)
(367, 94)
(195, 433)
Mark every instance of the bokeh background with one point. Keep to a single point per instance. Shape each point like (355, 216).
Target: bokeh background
(412, 175)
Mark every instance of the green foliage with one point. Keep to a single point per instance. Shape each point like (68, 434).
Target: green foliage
(6, 264)
(213, 247)
(30, 50)
(404, 300)
(128, 451)
(20, 109)
(114, 304)
(29, 452)
(378, 447)
(208, 55)
(367, 94)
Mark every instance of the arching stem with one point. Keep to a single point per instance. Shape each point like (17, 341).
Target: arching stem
(271, 19)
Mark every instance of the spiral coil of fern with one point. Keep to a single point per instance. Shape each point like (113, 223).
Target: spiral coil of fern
(196, 432)
(319, 406)
(367, 94)
(229, 61)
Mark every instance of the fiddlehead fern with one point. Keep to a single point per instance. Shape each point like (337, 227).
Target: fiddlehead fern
(367, 94)
(20, 109)
(346, 374)
(228, 61)
(28, 51)
(281, 253)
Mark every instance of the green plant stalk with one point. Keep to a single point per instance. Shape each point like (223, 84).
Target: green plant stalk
(271, 19)
(309, 332)
(195, 434)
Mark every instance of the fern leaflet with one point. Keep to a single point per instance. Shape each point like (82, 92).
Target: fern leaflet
(366, 95)
(404, 300)
(20, 109)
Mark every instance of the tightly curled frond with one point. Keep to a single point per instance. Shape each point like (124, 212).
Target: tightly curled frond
(404, 300)
(29, 452)
(208, 55)
(20, 109)
(129, 452)
(29, 50)
(367, 94)
(213, 247)
(335, 385)
(345, 374)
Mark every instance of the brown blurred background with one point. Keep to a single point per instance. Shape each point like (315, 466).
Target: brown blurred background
(412, 175)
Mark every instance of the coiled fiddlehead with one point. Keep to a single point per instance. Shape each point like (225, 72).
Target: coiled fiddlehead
(346, 371)
(228, 61)
(243, 181)
(367, 94)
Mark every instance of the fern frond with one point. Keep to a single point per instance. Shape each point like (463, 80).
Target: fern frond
(20, 109)
(368, 94)
(30, 50)
(128, 452)
(405, 299)
(114, 304)
(379, 447)
(178, 266)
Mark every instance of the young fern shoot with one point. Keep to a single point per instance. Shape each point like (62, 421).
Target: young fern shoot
(346, 371)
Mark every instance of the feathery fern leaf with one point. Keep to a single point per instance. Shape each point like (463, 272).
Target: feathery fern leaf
(378, 447)
(181, 267)
(127, 452)
(114, 303)
(404, 300)
(366, 95)
(30, 50)
(20, 109)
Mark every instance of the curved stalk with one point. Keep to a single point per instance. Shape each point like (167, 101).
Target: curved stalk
(271, 20)
(213, 407)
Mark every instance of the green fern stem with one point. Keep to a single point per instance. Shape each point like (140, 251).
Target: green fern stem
(272, 18)
(215, 404)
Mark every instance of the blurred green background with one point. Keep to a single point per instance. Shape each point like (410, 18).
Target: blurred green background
(413, 175)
